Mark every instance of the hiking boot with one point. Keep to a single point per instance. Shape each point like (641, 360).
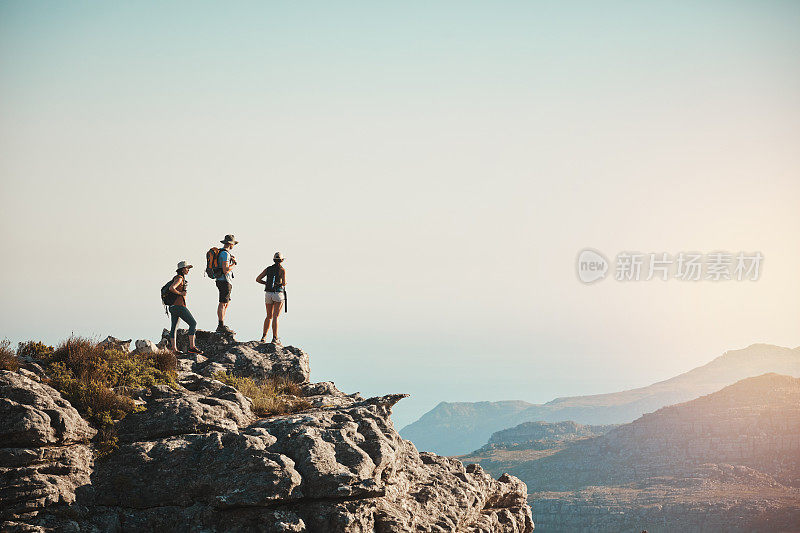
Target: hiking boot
(263, 340)
(195, 350)
(276, 340)
(222, 328)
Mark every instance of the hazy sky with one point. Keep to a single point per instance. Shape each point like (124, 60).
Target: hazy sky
(430, 171)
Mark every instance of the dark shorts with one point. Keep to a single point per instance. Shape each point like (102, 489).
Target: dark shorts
(224, 291)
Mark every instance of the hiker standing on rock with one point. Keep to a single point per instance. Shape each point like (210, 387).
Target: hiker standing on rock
(226, 263)
(274, 280)
(178, 309)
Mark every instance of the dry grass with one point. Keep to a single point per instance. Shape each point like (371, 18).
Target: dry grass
(272, 396)
(8, 359)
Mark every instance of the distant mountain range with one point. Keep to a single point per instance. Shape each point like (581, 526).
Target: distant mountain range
(457, 428)
(727, 461)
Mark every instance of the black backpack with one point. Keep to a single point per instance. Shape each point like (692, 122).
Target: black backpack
(167, 296)
(274, 281)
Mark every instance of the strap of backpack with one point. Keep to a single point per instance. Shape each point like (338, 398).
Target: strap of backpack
(230, 259)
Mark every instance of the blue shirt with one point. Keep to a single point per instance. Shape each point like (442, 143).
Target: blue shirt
(224, 255)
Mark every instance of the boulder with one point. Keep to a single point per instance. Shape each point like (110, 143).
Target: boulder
(200, 405)
(145, 346)
(43, 458)
(35, 414)
(328, 469)
(325, 394)
(222, 353)
(32, 479)
(216, 469)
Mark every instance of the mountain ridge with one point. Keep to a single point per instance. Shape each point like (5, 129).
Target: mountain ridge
(725, 461)
(450, 431)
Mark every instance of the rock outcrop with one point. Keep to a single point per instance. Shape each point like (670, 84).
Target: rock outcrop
(196, 458)
(254, 359)
(44, 457)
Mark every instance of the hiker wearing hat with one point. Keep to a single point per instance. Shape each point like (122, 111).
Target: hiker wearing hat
(178, 309)
(226, 263)
(274, 280)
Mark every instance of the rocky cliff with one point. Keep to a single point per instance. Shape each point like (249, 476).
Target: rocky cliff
(195, 457)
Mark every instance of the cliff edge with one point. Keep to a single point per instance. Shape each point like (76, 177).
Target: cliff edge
(194, 456)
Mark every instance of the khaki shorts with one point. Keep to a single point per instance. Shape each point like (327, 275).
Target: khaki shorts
(273, 297)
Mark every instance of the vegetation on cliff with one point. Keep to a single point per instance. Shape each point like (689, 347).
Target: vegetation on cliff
(8, 360)
(274, 395)
(97, 380)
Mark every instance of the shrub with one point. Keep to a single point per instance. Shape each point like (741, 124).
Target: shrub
(96, 380)
(165, 361)
(8, 359)
(34, 350)
(143, 370)
(272, 396)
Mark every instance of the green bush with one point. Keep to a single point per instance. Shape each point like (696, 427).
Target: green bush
(34, 350)
(272, 396)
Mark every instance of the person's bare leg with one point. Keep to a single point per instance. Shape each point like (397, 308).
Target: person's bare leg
(221, 312)
(267, 321)
(191, 343)
(276, 310)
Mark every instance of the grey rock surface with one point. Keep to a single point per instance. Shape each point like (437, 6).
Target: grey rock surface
(145, 346)
(35, 414)
(117, 344)
(253, 359)
(200, 405)
(43, 455)
(197, 459)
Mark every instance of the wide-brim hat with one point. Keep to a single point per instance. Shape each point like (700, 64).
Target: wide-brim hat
(229, 239)
(184, 264)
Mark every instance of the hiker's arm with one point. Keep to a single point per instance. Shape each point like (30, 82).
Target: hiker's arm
(260, 277)
(284, 278)
(226, 266)
(174, 287)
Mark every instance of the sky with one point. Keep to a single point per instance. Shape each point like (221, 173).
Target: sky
(431, 171)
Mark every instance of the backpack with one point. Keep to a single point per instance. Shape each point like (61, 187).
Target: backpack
(167, 296)
(274, 281)
(213, 270)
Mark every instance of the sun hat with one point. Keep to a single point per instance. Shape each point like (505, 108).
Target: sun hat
(184, 264)
(229, 239)
(277, 257)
